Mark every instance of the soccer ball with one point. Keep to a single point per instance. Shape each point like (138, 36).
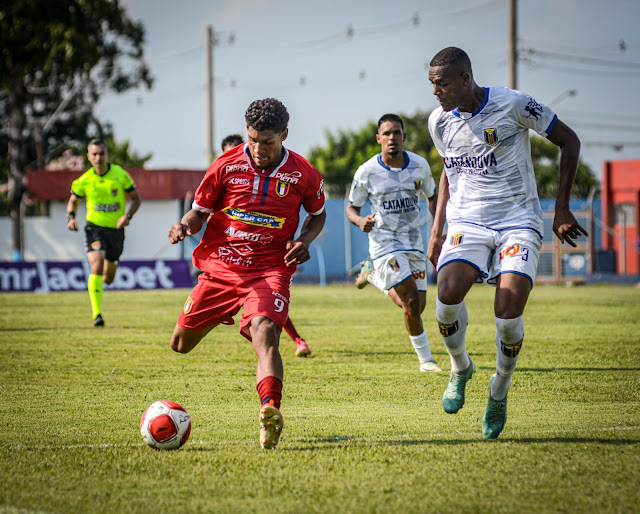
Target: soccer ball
(165, 425)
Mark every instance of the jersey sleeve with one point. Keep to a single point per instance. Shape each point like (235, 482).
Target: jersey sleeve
(436, 136)
(209, 190)
(428, 184)
(77, 187)
(359, 192)
(128, 183)
(313, 199)
(533, 115)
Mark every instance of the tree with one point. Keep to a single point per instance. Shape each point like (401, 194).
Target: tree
(347, 150)
(57, 59)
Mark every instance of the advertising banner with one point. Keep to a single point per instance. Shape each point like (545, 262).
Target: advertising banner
(47, 276)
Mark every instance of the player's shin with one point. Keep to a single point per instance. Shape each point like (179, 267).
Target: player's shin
(452, 322)
(509, 337)
(94, 286)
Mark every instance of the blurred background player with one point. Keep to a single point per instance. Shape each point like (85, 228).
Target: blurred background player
(252, 197)
(392, 182)
(489, 198)
(302, 348)
(106, 187)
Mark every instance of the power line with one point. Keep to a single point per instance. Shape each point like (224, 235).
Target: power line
(559, 56)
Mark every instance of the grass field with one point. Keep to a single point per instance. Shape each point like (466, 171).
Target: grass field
(364, 430)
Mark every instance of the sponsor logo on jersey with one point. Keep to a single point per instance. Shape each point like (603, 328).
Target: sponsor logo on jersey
(96, 245)
(254, 218)
(510, 350)
(230, 168)
(448, 329)
(394, 265)
(188, 305)
(418, 183)
(107, 207)
(533, 108)
(282, 188)
(320, 189)
(456, 239)
(240, 181)
(293, 177)
(476, 165)
(491, 136)
(249, 236)
(400, 203)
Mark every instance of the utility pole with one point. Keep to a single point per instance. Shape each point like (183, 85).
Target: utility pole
(512, 46)
(210, 43)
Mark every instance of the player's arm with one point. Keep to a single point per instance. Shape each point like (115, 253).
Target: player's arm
(134, 205)
(365, 223)
(298, 250)
(565, 225)
(439, 217)
(190, 224)
(433, 202)
(72, 208)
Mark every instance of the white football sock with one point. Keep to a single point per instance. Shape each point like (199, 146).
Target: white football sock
(452, 321)
(509, 337)
(421, 346)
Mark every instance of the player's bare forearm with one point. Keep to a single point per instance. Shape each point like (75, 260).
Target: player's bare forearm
(439, 218)
(364, 223)
(565, 225)
(433, 203)
(298, 250)
(72, 207)
(190, 224)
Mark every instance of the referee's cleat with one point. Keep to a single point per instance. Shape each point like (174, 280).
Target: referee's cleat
(271, 424)
(495, 416)
(366, 267)
(98, 321)
(453, 397)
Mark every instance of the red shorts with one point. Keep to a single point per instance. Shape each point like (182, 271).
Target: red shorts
(216, 299)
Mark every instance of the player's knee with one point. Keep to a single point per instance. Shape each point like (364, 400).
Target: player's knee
(510, 331)
(107, 279)
(178, 344)
(411, 307)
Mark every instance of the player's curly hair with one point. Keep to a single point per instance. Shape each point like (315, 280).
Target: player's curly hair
(452, 57)
(267, 114)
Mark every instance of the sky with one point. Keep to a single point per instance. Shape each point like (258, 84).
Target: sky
(338, 64)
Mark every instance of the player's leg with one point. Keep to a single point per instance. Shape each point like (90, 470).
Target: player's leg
(514, 265)
(265, 311)
(302, 348)
(454, 281)
(95, 284)
(109, 271)
(412, 302)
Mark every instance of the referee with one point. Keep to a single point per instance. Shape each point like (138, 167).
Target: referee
(106, 187)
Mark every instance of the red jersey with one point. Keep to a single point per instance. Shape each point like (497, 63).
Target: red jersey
(255, 211)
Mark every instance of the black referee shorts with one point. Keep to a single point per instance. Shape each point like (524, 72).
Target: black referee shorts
(111, 240)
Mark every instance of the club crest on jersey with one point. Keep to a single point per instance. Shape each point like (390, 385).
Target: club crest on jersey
(417, 182)
(394, 265)
(282, 188)
(491, 136)
(254, 218)
(456, 239)
(114, 192)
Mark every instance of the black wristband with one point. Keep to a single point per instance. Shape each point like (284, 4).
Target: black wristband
(129, 216)
(71, 215)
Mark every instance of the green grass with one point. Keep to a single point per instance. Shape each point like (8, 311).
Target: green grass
(364, 432)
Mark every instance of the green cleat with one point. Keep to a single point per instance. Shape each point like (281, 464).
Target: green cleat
(495, 416)
(366, 267)
(453, 397)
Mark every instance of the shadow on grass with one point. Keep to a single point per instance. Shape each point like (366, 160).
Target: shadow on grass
(554, 369)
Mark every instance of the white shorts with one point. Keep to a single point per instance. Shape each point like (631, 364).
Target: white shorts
(492, 252)
(393, 268)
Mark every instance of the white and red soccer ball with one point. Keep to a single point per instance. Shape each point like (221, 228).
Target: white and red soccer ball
(165, 425)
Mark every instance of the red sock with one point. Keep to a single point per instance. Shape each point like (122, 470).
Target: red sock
(291, 330)
(270, 388)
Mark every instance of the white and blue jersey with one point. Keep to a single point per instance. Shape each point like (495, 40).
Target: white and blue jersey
(487, 158)
(394, 196)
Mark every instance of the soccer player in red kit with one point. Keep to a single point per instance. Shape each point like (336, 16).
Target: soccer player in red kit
(248, 251)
